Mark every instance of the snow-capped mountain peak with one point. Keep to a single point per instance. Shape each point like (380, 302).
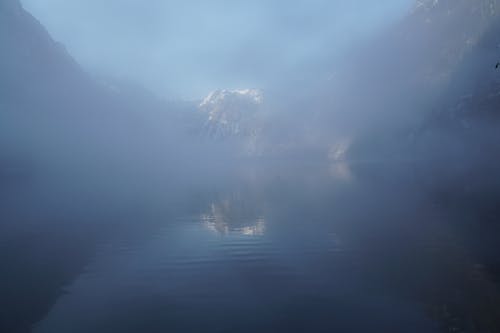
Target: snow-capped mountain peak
(231, 112)
(217, 97)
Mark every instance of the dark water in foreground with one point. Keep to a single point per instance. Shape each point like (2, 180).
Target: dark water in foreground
(302, 249)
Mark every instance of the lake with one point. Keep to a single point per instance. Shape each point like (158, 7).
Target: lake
(272, 247)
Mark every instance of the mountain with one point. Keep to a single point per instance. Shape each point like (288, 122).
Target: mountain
(60, 132)
(36, 70)
(467, 109)
(232, 112)
(437, 66)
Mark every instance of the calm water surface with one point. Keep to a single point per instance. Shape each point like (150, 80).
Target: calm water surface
(264, 249)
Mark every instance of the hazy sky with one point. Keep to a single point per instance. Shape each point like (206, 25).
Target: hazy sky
(186, 48)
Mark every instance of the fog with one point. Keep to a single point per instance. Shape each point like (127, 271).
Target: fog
(189, 91)
(185, 49)
(263, 166)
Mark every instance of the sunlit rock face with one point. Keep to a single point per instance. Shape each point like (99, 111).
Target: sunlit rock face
(232, 113)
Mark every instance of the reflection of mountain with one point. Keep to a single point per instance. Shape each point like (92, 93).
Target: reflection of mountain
(464, 296)
(36, 266)
(234, 216)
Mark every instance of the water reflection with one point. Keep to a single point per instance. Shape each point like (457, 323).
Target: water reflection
(302, 254)
(234, 216)
(341, 171)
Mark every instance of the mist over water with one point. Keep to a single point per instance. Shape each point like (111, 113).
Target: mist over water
(309, 166)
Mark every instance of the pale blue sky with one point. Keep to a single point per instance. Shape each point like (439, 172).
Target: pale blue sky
(185, 48)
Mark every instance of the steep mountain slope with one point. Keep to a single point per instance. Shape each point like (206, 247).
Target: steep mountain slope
(466, 112)
(440, 53)
(34, 68)
(60, 132)
(37, 79)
